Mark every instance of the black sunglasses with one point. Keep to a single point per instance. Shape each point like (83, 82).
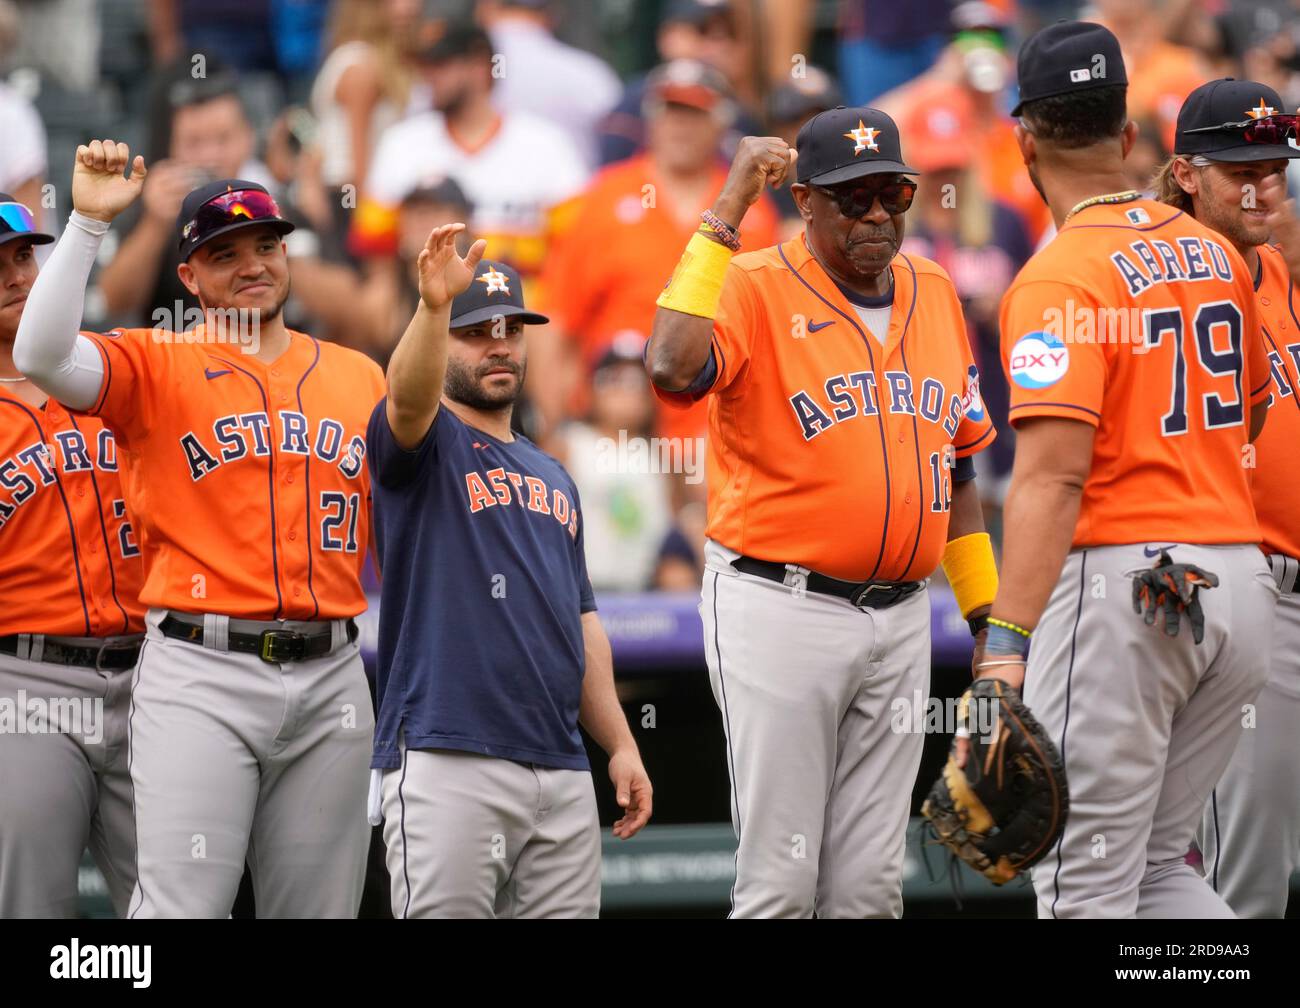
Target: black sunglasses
(1272, 129)
(854, 201)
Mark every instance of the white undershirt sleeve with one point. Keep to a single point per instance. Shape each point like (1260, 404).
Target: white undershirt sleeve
(49, 349)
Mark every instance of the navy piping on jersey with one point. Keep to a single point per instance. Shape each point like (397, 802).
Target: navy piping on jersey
(880, 422)
(1295, 393)
(1063, 405)
(1065, 726)
(270, 484)
(67, 511)
(731, 757)
(978, 441)
(108, 554)
(1132, 227)
(401, 800)
(1218, 838)
(108, 380)
(130, 760)
(916, 434)
(310, 537)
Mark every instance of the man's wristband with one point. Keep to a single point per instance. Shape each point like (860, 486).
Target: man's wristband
(696, 284)
(1002, 641)
(977, 624)
(971, 571)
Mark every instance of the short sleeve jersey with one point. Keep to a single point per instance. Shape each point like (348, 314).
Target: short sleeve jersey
(1273, 477)
(247, 481)
(484, 586)
(827, 449)
(69, 555)
(1140, 321)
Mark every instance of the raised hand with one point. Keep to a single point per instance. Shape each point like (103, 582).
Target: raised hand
(99, 187)
(443, 273)
(759, 162)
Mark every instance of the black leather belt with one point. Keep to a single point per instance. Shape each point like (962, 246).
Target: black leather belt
(113, 656)
(863, 594)
(271, 645)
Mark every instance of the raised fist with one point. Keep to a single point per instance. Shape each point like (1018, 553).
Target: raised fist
(99, 187)
(759, 162)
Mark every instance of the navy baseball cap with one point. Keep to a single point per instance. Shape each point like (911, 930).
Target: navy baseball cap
(16, 222)
(224, 206)
(1068, 57)
(1215, 121)
(841, 144)
(494, 292)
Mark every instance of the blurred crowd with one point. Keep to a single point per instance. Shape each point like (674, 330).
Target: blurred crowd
(581, 138)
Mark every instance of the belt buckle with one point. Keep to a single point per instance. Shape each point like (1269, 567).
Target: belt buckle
(110, 649)
(268, 651)
(860, 593)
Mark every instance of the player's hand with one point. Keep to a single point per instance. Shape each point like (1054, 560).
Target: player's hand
(632, 791)
(169, 183)
(759, 162)
(443, 273)
(1008, 668)
(100, 189)
(1283, 223)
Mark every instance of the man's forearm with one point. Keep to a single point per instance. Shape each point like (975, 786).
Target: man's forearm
(600, 712)
(1039, 516)
(415, 374)
(679, 348)
(967, 515)
(128, 279)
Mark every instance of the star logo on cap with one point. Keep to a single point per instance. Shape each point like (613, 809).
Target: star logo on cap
(497, 282)
(1261, 110)
(864, 138)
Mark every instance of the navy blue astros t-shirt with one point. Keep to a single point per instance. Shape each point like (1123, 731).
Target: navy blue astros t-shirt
(484, 586)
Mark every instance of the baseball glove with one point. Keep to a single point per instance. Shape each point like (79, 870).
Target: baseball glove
(1002, 812)
(1175, 588)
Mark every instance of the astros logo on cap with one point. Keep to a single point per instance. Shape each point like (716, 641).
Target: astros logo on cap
(1261, 110)
(864, 138)
(496, 282)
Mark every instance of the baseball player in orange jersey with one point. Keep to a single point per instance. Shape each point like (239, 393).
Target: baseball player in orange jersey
(1228, 171)
(243, 453)
(841, 388)
(1138, 377)
(70, 629)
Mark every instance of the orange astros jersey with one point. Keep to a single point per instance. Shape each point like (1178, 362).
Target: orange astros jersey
(1273, 480)
(827, 449)
(69, 557)
(1142, 322)
(247, 481)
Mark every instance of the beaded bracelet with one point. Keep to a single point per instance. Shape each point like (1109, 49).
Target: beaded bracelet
(1013, 627)
(727, 234)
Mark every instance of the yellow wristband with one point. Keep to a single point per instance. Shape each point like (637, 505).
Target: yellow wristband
(696, 285)
(968, 563)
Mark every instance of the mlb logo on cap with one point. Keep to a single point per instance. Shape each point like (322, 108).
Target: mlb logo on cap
(1079, 76)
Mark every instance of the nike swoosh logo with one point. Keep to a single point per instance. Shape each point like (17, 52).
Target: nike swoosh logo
(209, 374)
(819, 326)
(1148, 551)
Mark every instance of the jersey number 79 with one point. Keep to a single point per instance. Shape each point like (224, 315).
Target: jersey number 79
(1214, 317)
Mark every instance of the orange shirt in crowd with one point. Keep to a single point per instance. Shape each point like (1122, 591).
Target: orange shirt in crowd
(1142, 322)
(826, 448)
(1160, 77)
(69, 555)
(606, 270)
(247, 481)
(1273, 480)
